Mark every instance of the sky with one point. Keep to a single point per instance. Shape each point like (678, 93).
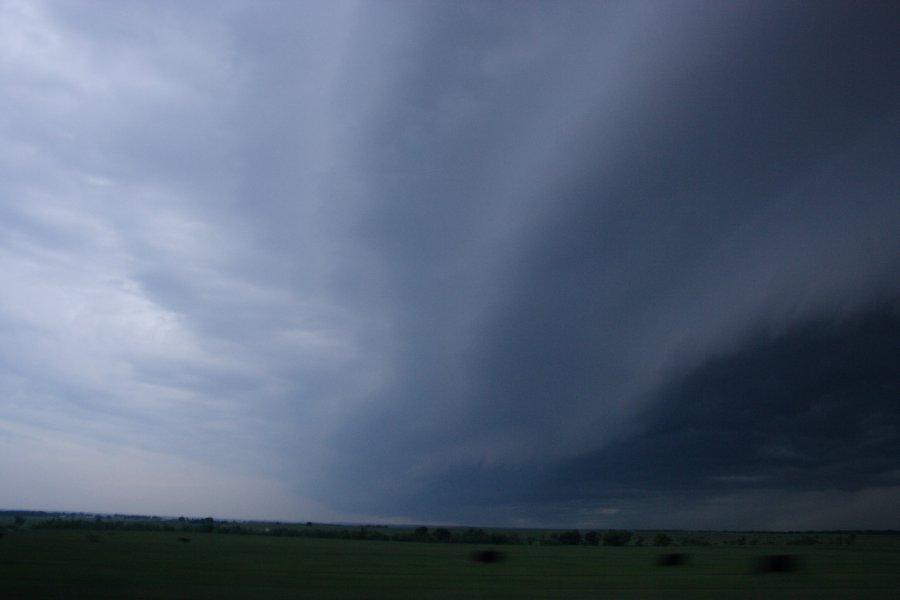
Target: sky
(507, 263)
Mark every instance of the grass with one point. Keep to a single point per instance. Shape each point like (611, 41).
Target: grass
(122, 564)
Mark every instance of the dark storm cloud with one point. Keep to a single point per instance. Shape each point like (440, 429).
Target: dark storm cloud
(813, 408)
(751, 183)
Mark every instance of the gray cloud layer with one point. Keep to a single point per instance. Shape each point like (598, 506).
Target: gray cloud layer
(483, 262)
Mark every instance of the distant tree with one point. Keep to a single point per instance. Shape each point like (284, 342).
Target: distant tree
(661, 539)
(806, 540)
(422, 533)
(442, 534)
(498, 537)
(571, 538)
(475, 536)
(616, 537)
(592, 538)
(549, 540)
(639, 541)
(693, 540)
(20, 520)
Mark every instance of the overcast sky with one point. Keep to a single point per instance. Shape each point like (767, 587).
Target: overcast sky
(591, 264)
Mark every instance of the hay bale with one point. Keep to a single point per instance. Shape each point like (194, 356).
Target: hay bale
(487, 556)
(675, 559)
(777, 563)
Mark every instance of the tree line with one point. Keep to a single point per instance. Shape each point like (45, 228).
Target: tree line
(456, 535)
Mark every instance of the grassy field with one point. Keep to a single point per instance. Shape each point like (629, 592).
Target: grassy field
(124, 564)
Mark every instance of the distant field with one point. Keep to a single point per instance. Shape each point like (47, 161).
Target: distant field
(125, 564)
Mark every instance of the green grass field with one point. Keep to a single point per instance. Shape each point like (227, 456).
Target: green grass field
(123, 564)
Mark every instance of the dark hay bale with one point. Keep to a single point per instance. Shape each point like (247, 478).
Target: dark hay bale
(487, 556)
(675, 559)
(777, 563)
(183, 540)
